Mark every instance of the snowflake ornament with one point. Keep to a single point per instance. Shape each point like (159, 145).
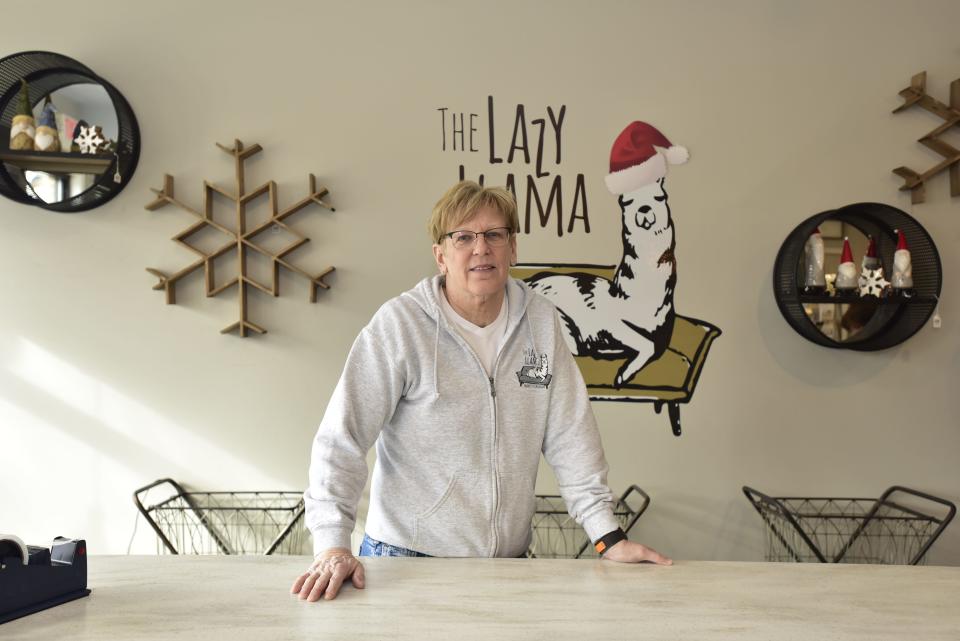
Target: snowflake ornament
(872, 282)
(243, 240)
(90, 140)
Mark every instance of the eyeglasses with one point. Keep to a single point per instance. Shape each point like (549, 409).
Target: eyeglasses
(496, 237)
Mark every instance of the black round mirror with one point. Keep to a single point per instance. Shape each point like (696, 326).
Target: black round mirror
(845, 313)
(840, 280)
(80, 143)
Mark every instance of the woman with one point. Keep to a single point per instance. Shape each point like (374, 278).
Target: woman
(462, 382)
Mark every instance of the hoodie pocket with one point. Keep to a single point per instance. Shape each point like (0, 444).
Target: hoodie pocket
(453, 525)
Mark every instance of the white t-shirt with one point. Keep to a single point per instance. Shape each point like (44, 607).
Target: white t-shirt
(485, 341)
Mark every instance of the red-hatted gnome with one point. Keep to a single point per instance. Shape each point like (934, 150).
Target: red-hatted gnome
(872, 282)
(902, 278)
(846, 284)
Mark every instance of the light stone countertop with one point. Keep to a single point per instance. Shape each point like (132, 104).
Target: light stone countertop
(236, 598)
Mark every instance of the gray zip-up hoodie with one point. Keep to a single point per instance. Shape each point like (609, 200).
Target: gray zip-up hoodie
(457, 451)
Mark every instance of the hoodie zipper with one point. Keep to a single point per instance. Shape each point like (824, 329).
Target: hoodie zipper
(496, 434)
(493, 409)
(493, 413)
(496, 471)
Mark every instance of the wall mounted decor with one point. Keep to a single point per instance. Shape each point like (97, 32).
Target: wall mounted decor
(72, 95)
(239, 238)
(620, 322)
(864, 313)
(916, 94)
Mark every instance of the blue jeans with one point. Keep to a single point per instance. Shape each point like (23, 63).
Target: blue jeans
(373, 547)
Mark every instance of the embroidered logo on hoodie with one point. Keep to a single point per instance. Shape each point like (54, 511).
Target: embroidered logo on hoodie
(535, 371)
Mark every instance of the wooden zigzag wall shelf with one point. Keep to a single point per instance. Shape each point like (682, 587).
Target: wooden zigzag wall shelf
(241, 239)
(916, 94)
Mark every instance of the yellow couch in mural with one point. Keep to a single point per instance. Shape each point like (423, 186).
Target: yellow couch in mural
(669, 380)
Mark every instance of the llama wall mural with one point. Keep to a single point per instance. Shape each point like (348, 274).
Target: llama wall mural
(621, 324)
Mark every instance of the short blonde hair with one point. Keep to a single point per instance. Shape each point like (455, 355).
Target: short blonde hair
(464, 200)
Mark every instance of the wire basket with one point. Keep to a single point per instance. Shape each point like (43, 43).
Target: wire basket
(852, 530)
(223, 522)
(557, 535)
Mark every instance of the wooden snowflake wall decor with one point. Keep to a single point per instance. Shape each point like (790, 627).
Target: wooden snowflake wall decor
(240, 239)
(916, 94)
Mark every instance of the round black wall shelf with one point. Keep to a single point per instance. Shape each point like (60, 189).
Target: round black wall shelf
(46, 72)
(895, 319)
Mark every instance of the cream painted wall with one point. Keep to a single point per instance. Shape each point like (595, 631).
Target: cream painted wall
(785, 107)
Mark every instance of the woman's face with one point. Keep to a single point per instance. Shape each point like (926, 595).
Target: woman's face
(478, 269)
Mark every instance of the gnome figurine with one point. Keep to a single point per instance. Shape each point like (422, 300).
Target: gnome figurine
(870, 260)
(47, 138)
(902, 278)
(813, 280)
(22, 129)
(80, 125)
(846, 284)
(872, 282)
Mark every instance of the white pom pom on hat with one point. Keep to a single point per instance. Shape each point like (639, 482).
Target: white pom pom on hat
(640, 156)
(677, 155)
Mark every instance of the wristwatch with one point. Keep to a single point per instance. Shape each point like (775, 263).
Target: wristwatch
(608, 540)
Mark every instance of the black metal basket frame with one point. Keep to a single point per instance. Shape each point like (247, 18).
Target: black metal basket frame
(625, 514)
(778, 505)
(200, 512)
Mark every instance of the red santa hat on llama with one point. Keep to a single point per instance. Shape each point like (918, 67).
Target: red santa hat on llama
(640, 156)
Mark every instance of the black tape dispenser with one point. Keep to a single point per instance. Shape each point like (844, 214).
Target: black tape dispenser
(35, 578)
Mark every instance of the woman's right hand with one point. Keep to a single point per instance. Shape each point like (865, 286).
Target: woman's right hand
(327, 573)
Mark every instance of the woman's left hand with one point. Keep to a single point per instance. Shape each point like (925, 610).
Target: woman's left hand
(630, 552)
